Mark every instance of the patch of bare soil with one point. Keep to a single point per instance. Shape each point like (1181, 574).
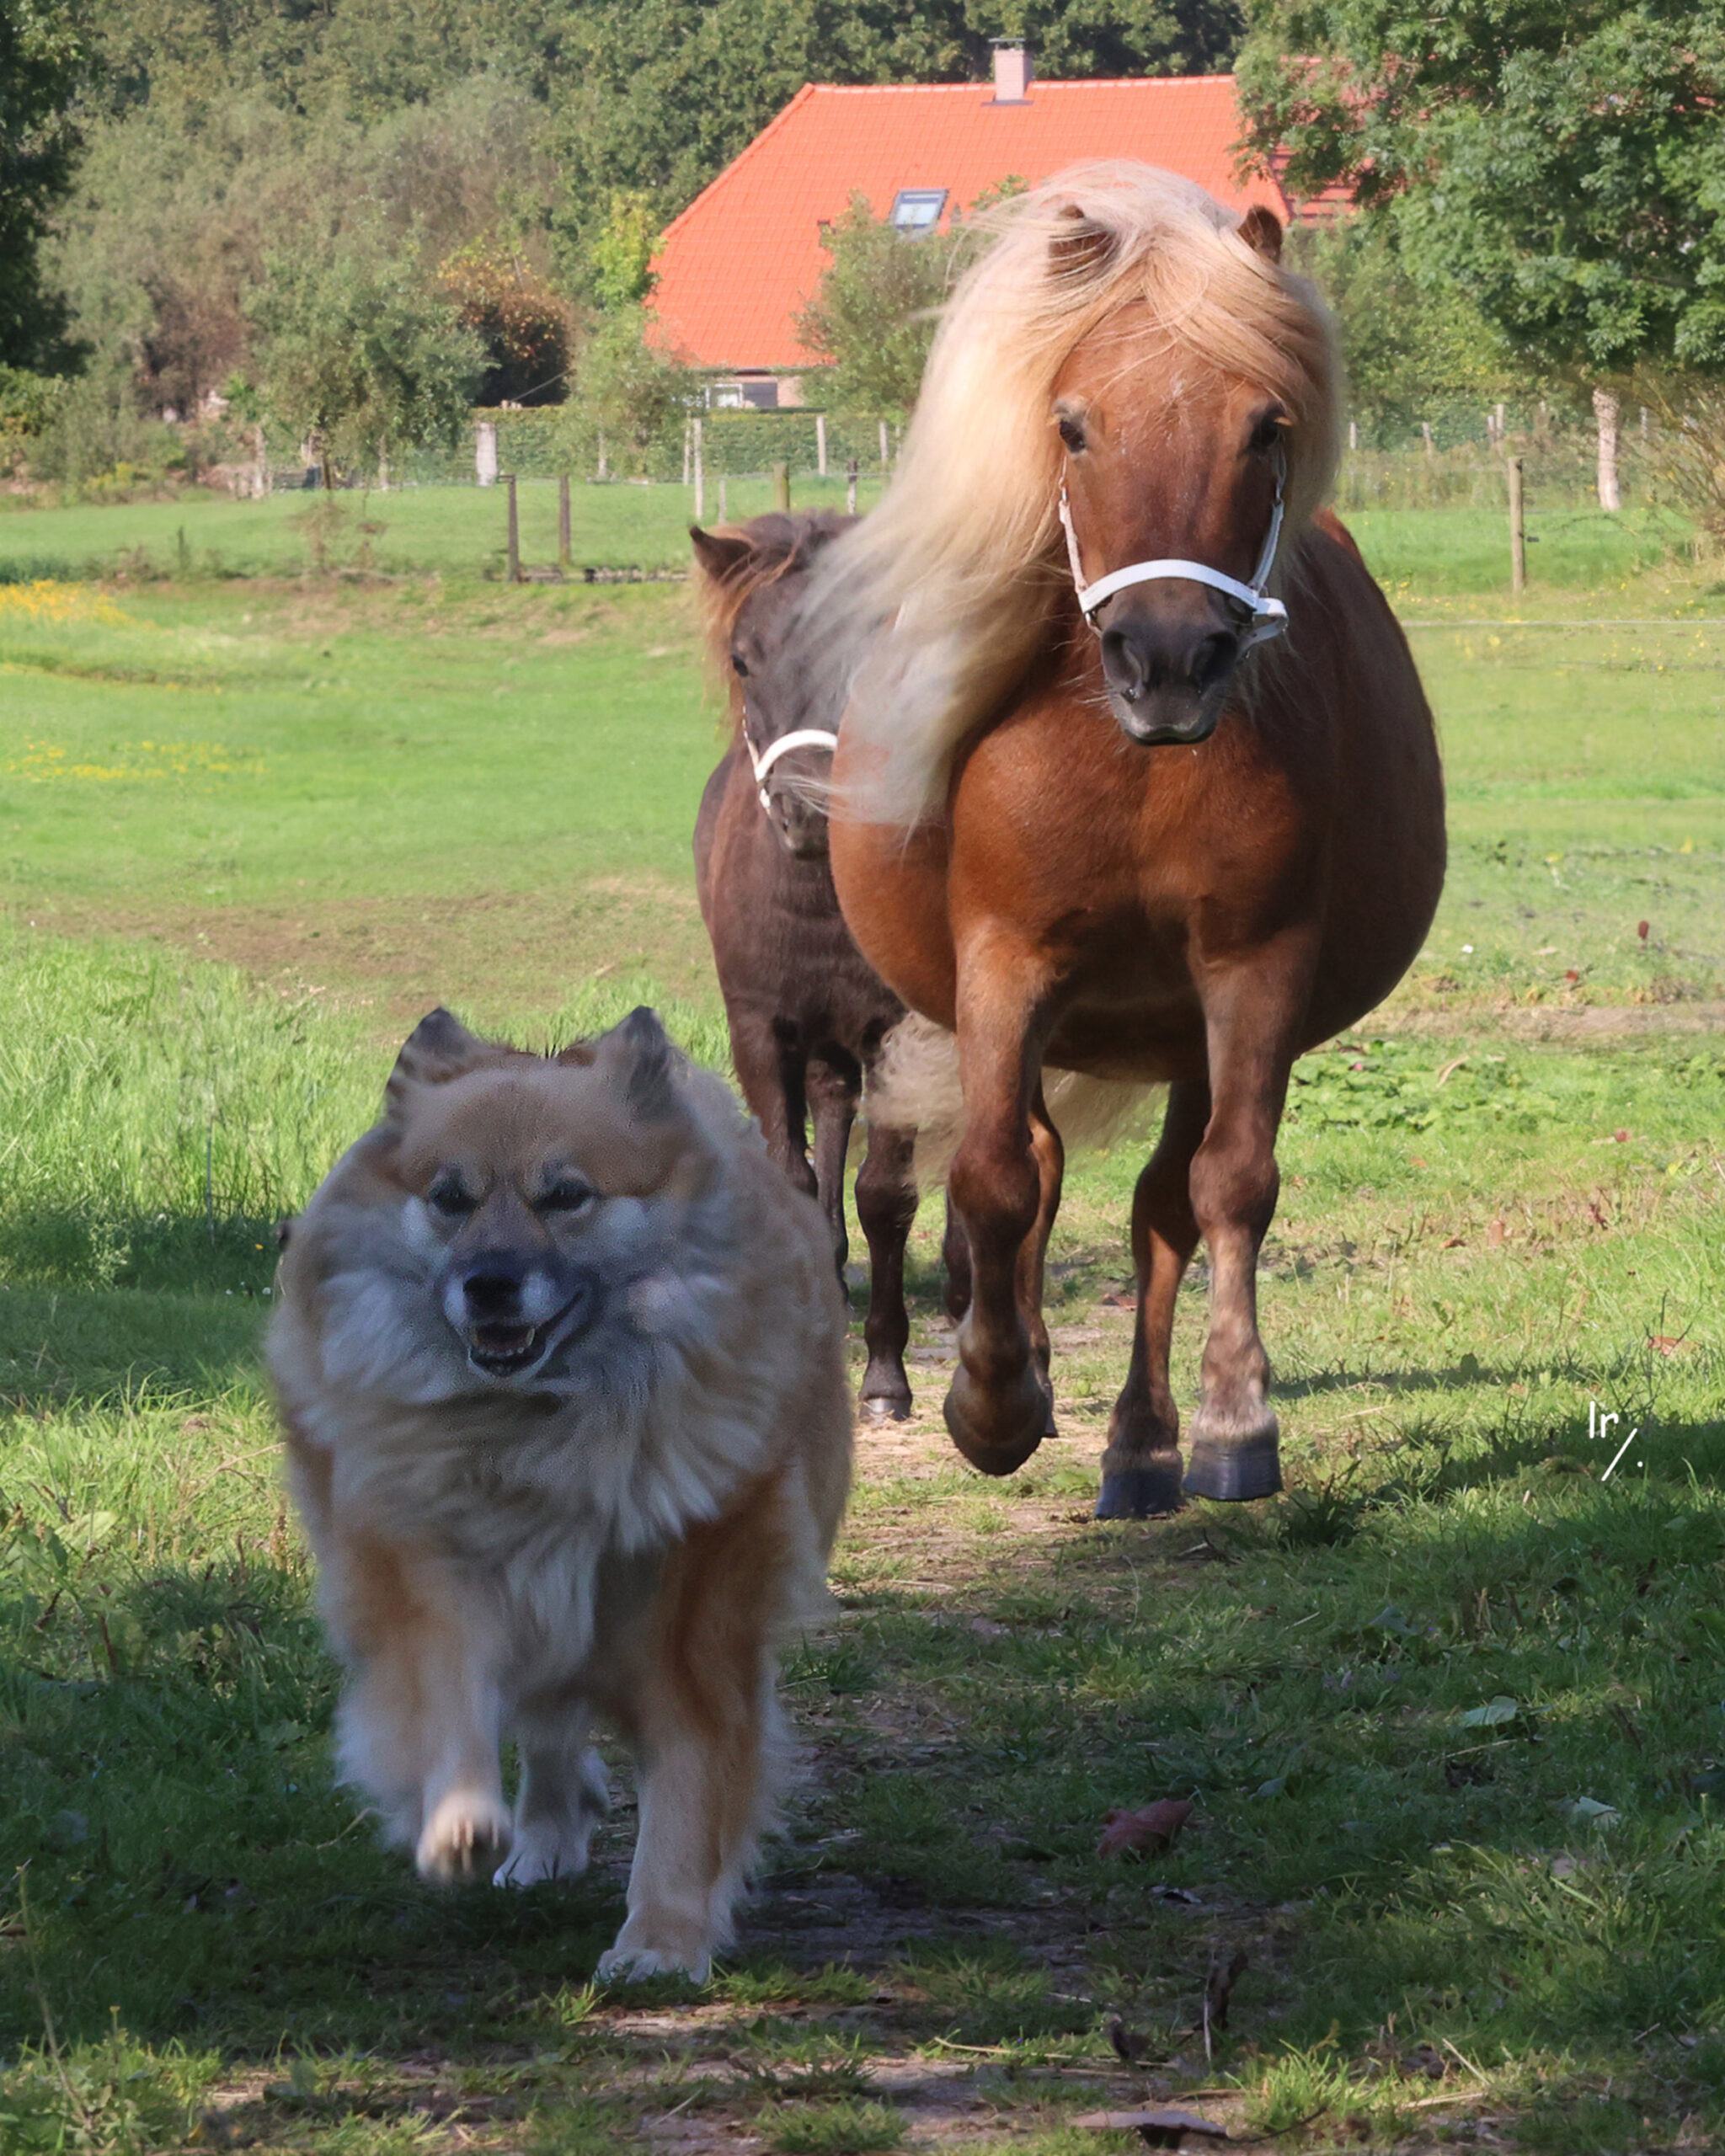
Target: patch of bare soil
(400, 956)
(1544, 1022)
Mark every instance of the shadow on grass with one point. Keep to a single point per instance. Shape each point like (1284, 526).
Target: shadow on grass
(83, 1347)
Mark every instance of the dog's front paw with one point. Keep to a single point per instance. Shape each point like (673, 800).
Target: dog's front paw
(631, 1964)
(541, 1853)
(464, 1838)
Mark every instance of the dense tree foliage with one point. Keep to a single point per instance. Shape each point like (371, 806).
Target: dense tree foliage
(355, 354)
(1563, 162)
(873, 320)
(42, 59)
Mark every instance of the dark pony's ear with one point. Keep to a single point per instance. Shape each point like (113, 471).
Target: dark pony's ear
(1262, 231)
(440, 1048)
(1081, 246)
(637, 1055)
(720, 555)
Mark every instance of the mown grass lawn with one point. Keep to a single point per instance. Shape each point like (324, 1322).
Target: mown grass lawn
(1450, 1714)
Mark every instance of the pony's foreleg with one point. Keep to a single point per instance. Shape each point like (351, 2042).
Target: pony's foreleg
(1140, 1468)
(772, 1083)
(832, 1099)
(998, 1406)
(1032, 1255)
(886, 1209)
(1235, 1183)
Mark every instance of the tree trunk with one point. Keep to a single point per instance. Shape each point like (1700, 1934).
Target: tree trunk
(1605, 415)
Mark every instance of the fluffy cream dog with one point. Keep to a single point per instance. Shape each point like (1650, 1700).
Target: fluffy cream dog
(560, 1356)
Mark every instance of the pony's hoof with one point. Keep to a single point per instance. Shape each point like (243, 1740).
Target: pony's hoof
(997, 1427)
(1141, 1492)
(885, 1407)
(1232, 1473)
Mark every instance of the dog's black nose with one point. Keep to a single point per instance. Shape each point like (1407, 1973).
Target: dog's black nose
(493, 1287)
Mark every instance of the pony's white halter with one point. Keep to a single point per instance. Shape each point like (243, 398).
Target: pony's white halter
(1269, 617)
(803, 737)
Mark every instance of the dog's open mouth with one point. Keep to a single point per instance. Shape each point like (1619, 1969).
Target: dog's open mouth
(502, 1349)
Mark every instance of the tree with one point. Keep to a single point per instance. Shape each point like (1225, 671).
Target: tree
(528, 332)
(622, 256)
(630, 394)
(1409, 347)
(873, 320)
(355, 351)
(43, 61)
(1560, 161)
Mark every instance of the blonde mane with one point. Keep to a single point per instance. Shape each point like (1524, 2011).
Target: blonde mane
(963, 558)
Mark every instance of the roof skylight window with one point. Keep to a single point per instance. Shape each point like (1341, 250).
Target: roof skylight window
(916, 209)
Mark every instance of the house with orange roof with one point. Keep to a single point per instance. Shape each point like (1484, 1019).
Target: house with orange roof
(736, 267)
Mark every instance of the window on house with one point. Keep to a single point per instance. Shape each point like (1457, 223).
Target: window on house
(916, 209)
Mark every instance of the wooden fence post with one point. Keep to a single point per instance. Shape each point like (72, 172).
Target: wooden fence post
(514, 530)
(1605, 418)
(688, 447)
(485, 453)
(886, 458)
(565, 548)
(1425, 428)
(820, 443)
(700, 461)
(782, 487)
(724, 512)
(1354, 434)
(1517, 530)
(850, 488)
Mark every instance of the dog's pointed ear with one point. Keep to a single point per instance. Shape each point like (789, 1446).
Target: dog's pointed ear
(1262, 231)
(439, 1047)
(1082, 245)
(637, 1053)
(720, 555)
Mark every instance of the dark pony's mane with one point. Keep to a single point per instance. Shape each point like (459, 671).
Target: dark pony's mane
(779, 545)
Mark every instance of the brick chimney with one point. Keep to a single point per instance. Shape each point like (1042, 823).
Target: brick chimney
(1012, 71)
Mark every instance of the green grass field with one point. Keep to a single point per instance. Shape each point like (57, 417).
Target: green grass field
(1450, 1713)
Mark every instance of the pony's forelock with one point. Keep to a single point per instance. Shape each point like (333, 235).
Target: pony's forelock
(961, 556)
(780, 545)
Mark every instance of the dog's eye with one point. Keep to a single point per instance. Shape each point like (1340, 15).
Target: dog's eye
(1073, 434)
(450, 1196)
(568, 1194)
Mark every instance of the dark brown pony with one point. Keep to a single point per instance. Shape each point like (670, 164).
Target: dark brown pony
(807, 1015)
(1133, 837)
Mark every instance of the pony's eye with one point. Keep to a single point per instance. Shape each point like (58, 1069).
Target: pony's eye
(1268, 430)
(1073, 434)
(740, 664)
(451, 1196)
(568, 1194)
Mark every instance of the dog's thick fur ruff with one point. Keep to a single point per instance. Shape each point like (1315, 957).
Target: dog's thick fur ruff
(561, 1361)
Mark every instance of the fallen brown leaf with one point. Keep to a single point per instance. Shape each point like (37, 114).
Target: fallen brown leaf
(1125, 1834)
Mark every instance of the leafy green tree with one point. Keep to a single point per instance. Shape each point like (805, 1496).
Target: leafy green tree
(1561, 162)
(43, 60)
(622, 261)
(355, 351)
(1409, 348)
(631, 396)
(873, 320)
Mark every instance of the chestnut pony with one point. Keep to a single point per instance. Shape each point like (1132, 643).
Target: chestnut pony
(1091, 808)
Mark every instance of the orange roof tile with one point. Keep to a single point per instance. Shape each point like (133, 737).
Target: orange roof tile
(746, 254)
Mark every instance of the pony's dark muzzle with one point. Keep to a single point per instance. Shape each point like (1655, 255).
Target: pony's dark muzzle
(1166, 670)
(801, 825)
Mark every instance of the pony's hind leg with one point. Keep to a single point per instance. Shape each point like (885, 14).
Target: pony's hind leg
(1140, 1468)
(954, 1265)
(886, 1208)
(1234, 1181)
(833, 1092)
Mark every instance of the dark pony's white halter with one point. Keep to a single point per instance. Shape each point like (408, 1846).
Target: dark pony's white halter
(803, 737)
(1269, 617)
